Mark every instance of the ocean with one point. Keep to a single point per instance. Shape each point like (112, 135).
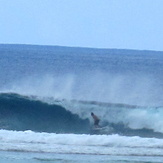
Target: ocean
(47, 94)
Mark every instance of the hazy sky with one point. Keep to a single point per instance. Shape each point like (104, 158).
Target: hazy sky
(127, 24)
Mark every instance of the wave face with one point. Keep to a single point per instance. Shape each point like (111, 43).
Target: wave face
(21, 113)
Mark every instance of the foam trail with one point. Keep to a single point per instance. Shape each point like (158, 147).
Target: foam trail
(81, 144)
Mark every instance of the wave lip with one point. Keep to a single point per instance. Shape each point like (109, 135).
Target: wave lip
(80, 144)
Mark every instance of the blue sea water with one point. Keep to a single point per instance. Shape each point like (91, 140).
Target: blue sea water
(48, 92)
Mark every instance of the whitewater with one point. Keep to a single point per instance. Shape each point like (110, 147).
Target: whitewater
(48, 92)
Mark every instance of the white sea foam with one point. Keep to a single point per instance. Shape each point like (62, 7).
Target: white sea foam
(80, 144)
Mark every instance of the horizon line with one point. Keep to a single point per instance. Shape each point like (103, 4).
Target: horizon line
(80, 47)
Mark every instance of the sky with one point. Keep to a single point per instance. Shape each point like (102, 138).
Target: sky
(120, 24)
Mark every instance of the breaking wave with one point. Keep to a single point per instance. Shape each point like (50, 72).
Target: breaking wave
(19, 112)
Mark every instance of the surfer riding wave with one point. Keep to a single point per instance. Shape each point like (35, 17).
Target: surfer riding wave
(96, 120)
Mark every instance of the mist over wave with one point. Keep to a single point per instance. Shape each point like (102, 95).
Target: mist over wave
(98, 86)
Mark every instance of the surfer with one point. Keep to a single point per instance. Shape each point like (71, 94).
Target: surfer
(96, 120)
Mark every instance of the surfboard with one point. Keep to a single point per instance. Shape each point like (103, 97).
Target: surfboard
(102, 130)
(99, 128)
